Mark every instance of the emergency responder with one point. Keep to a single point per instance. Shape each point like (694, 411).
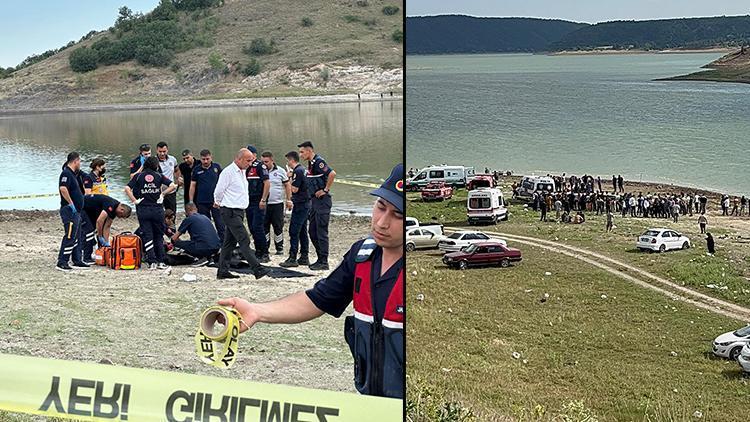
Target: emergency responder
(204, 241)
(169, 169)
(146, 190)
(258, 188)
(372, 276)
(202, 185)
(95, 183)
(298, 239)
(186, 172)
(101, 210)
(319, 180)
(136, 165)
(71, 207)
(279, 198)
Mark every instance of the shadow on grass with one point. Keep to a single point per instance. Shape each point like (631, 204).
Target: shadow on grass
(734, 374)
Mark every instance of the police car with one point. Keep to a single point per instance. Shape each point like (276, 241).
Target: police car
(460, 239)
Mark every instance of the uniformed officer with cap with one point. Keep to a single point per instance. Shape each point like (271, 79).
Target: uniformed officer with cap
(71, 207)
(372, 276)
(320, 178)
(258, 187)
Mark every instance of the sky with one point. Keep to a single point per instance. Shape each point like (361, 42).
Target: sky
(33, 26)
(590, 11)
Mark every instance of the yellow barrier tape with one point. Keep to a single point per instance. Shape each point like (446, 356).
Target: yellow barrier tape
(356, 183)
(28, 196)
(218, 348)
(93, 392)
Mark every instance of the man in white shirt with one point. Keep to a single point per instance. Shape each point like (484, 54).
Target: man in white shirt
(230, 196)
(170, 170)
(279, 197)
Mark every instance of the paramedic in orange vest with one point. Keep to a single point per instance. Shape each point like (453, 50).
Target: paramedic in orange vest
(372, 276)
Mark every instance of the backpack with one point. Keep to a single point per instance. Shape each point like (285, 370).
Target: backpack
(103, 256)
(127, 250)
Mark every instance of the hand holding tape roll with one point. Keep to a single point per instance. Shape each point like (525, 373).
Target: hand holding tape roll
(217, 339)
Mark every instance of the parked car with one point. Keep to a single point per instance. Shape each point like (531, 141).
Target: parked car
(744, 358)
(437, 191)
(481, 181)
(461, 239)
(420, 238)
(661, 239)
(729, 345)
(412, 222)
(482, 253)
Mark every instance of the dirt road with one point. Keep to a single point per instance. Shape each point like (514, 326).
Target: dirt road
(148, 318)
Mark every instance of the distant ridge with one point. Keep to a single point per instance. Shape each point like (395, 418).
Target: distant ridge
(452, 34)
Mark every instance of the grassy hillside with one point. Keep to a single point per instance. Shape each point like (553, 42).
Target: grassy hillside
(660, 34)
(318, 47)
(466, 34)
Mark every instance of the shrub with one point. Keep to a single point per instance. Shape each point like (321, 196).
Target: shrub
(153, 55)
(390, 10)
(325, 74)
(195, 4)
(370, 22)
(307, 22)
(83, 60)
(252, 68)
(397, 36)
(215, 61)
(352, 18)
(259, 47)
(362, 3)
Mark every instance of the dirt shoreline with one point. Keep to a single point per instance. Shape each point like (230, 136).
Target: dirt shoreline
(147, 319)
(189, 104)
(635, 51)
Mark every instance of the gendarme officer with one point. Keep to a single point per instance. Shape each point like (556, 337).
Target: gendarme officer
(319, 180)
(372, 276)
(258, 187)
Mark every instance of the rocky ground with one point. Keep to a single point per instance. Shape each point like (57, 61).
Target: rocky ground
(148, 318)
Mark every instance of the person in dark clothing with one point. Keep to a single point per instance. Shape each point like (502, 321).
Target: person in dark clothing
(320, 177)
(204, 241)
(298, 239)
(100, 211)
(186, 173)
(258, 188)
(146, 190)
(542, 209)
(614, 183)
(710, 246)
(621, 183)
(71, 209)
(202, 184)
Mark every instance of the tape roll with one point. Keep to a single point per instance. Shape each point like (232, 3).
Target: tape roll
(217, 339)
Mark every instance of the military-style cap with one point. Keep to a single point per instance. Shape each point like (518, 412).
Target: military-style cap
(392, 190)
(252, 149)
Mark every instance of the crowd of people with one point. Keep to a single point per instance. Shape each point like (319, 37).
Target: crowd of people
(216, 202)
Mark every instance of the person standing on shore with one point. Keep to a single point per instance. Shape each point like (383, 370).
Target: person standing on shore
(599, 182)
(136, 165)
(320, 178)
(231, 198)
(186, 172)
(95, 183)
(621, 183)
(735, 206)
(298, 239)
(702, 222)
(202, 184)
(675, 211)
(542, 209)
(725, 205)
(710, 245)
(743, 205)
(279, 199)
(169, 169)
(703, 201)
(610, 217)
(614, 184)
(71, 207)
(258, 188)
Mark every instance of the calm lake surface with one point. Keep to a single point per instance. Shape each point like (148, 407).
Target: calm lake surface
(362, 142)
(601, 115)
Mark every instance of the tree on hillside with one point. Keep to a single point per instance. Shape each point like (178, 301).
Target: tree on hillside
(83, 60)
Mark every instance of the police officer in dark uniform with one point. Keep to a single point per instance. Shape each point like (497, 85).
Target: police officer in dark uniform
(101, 210)
(145, 191)
(136, 165)
(372, 276)
(298, 239)
(320, 178)
(71, 207)
(258, 187)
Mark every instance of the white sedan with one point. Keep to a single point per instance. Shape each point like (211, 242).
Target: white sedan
(744, 358)
(421, 238)
(729, 345)
(458, 240)
(661, 240)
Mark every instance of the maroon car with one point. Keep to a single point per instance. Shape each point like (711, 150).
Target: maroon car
(484, 253)
(437, 191)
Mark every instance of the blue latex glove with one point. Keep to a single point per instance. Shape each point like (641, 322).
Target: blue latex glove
(143, 160)
(103, 242)
(73, 208)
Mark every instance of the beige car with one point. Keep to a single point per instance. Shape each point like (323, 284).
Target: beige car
(418, 238)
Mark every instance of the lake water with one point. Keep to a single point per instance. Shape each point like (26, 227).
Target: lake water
(601, 115)
(362, 142)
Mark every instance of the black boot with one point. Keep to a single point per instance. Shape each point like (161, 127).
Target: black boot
(289, 263)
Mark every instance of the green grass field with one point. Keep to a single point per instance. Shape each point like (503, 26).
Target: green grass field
(582, 356)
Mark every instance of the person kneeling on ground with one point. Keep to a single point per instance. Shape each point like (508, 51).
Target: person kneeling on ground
(372, 276)
(204, 242)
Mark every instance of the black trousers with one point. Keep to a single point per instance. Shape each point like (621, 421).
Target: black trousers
(275, 217)
(320, 216)
(235, 232)
(170, 202)
(151, 225)
(212, 213)
(191, 247)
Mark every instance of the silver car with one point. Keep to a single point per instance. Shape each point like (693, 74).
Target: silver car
(418, 238)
